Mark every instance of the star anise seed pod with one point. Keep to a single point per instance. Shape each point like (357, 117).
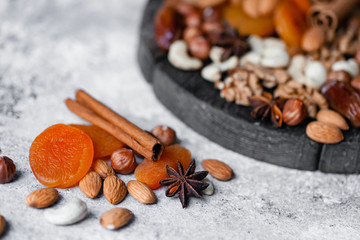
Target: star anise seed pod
(185, 183)
(265, 107)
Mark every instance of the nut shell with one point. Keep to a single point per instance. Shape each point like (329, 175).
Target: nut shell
(324, 132)
(114, 189)
(123, 161)
(199, 47)
(116, 218)
(42, 198)
(7, 169)
(166, 135)
(294, 112)
(218, 169)
(91, 184)
(102, 168)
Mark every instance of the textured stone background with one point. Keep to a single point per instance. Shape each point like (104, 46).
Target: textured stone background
(48, 49)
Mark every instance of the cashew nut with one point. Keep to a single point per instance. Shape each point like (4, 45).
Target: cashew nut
(256, 43)
(349, 66)
(250, 57)
(178, 56)
(315, 74)
(216, 53)
(210, 189)
(274, 43)
(212, 72)
(275, 57)
(73, 212)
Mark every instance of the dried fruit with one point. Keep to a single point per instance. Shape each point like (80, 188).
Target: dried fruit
(7, 169)
(165, 134)
(116, 218)
(102, 168)
(114, 189)
(294, 112)
(290, 23)
(104, 143)
(332, 117)
(185, 183)
(61, 155)
(324, 133)
(141, 192)
(355, 83)
(2, 225)
(218, 169)
(343, 99)
(42, 198)
(257, 8)
(73, 212)
(123, 161)
(150, 172)
(91, 184)
(166, 27)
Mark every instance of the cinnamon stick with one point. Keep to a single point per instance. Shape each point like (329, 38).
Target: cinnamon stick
(328, 14)
(98, 114)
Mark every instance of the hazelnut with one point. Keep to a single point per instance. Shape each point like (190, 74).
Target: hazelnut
(211, 14)
(199, 47)
(294, 112)
(166, 135)
(355, 83)
(212, 27)
(123, 161)
(193, 19)
(7, 169)
(341, 76)
(190, 33)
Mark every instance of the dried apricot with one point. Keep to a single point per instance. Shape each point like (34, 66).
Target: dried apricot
(290, 23)
(261, 26)
(303, 5)
(150, 172)
(104, 143)
(61, 156)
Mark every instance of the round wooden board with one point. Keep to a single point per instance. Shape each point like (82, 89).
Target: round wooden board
(198, 104)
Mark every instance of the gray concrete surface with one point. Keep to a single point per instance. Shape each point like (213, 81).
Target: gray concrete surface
(48, 49)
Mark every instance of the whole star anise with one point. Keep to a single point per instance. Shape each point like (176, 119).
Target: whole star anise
(185, 183)
(229, 39)
(265, 107)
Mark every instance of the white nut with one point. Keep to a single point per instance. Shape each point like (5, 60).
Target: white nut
(297, 65)
(178, 56)
(216, 53)
(315, 74)
(250, 57)
(231, 63)
(256, 43)
(274, 43)
(211, 72)
(210, 189)
(274, 58)
(73, 212)
(349, 66)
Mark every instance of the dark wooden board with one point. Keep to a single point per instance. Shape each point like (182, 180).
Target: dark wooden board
(198, 104)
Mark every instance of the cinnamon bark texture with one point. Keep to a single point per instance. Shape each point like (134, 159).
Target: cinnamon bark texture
(100, 115)
(328, 14)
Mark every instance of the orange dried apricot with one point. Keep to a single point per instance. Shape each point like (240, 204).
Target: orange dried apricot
(61, 156)
(104, 143)
(290, 23)
(261, 26)
(303, 5)
(150, 172)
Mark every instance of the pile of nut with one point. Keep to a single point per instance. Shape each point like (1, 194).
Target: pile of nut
(267, 65)
(103, 175)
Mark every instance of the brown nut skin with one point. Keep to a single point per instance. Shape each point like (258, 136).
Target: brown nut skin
(294, 112)
(341, 76)
(193, 19)
(190, 33)
(123, 161)
(355, 83)
(166, 135)
(199, 47)
(7, 169)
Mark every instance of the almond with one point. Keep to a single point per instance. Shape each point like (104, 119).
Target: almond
(141, 192)
(102, 168)
(116, 218)
(313, 39)
(114, 189)
(217, 169)
(332, 117)
(91, 184)
(42, 198)
(2, 224)
(324, 133)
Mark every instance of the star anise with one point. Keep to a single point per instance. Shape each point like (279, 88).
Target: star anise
(185, 183)
(229, 39)
(265, 107)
